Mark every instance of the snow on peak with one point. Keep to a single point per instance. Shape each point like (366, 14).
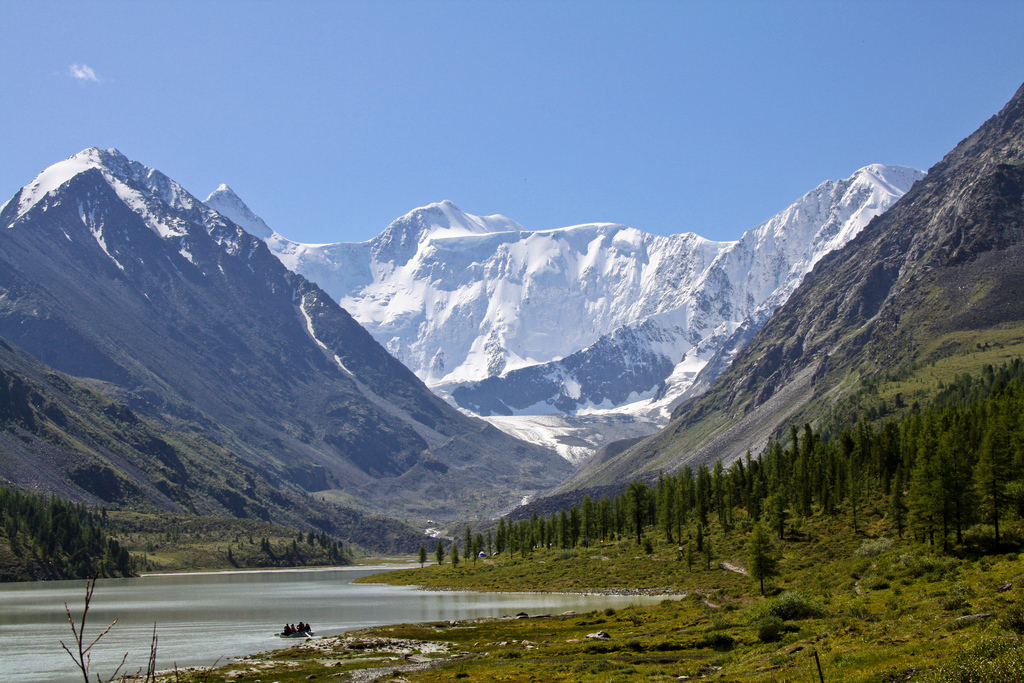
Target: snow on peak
(895, 180)
(224, 201)
(56, 175)
(452, 221)
(401, 239)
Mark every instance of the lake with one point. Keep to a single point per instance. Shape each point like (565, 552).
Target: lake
(203, 617)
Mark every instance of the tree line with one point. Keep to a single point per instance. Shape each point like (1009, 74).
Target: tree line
(934, 472)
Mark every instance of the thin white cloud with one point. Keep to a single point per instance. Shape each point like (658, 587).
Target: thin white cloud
(84, 72)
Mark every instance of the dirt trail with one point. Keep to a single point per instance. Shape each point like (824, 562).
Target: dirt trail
(729, 566)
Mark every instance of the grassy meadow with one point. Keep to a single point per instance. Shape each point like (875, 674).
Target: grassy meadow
(871, 606)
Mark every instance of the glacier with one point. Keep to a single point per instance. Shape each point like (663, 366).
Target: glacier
(543, 332)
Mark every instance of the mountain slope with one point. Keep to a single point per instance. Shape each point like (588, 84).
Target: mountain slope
(59, 435)
(707, 315)
(111, 271)
(932, 278)
(542, 331)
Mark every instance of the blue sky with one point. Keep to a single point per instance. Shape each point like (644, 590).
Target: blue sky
(330, 119)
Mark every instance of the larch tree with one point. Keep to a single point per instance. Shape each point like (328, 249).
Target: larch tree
(762, 557)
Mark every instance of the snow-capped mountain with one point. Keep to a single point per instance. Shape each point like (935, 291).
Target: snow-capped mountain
(596, 317)
(112, 272)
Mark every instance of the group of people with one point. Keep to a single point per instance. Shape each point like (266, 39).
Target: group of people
(291, 629)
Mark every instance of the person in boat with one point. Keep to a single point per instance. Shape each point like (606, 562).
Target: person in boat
(287, 630)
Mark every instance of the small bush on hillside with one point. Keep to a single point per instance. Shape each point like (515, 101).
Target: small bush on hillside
(1013, 618)
(877, 583)
(858, 609)
(718, 621)
(874, 547)
(794, 605)
(930, 566)
(717, 641)
(956, 598)
(770, 629)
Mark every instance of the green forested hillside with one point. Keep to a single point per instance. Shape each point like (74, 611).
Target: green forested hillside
(935, 472)
(45, 537)
(887, 548)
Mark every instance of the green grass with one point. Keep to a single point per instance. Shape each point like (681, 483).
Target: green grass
(874, 610)
(165, 543)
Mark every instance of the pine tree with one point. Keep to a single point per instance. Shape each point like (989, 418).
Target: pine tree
(501, 536)
(588, 520)
(423, 556)
(455, 554)
(993, 472)
(439, 553)
(897, 505)
(636, 495)
(762, 557)
(708, 553)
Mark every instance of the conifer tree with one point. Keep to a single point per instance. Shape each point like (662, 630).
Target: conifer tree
(636, 494)
(588, 520)
(708, 553)
(897, 505)
(439, 553)
(993, 472)
(501, 536)
(762, 557)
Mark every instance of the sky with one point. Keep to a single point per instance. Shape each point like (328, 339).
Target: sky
(331, 119)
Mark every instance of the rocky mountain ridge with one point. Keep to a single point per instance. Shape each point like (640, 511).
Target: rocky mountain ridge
(936, 277)
(112, 272)
(590, 320)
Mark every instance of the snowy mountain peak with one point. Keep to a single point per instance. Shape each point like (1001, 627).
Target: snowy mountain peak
(224, 201)
(144, 190)
(56, 175)
(440, 220)
(593, 316)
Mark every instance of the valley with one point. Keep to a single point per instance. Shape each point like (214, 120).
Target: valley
(814, 435)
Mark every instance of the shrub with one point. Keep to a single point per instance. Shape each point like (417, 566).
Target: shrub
(717, 641)
(718, 621)
(858, 609)
(957, 597)
(794, 605)
(1013, 618)
(874, 547)
(878, 583)
(770, 629)
(934, 567)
